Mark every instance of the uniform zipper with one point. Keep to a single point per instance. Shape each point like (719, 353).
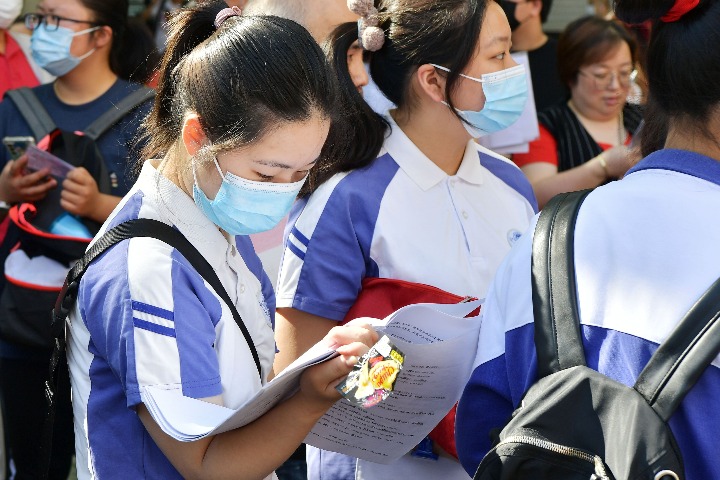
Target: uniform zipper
(600, 472)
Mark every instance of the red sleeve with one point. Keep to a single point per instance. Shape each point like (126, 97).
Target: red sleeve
(543, 149)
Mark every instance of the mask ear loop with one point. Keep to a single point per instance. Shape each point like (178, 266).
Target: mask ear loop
(217, 165)
(83, 32)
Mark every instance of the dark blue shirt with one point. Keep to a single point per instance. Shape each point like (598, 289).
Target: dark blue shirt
(119, 145)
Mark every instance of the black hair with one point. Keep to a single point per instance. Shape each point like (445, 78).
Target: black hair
(683, 65)
(356, 138)
(418, 32)
(242, 79)
(545, 11)
(132, 56)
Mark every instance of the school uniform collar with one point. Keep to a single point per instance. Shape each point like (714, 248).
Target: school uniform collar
(682, 161)
(184, 215)
(420, 168)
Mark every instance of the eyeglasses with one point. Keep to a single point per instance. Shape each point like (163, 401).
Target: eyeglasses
(604, 80)
(52, 22)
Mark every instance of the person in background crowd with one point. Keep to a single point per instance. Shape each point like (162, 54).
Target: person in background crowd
(17, 68)
(426, 204)
(526, 22)
(583, 141)
(645, 249)
(227, 123)
(155, 16)
(89, 46)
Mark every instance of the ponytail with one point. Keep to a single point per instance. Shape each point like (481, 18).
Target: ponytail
(683, 64)
(187, 28)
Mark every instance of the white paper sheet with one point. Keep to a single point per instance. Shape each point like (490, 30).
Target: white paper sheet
(439, 347)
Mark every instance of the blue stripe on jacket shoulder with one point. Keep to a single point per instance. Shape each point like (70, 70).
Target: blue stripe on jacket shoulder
(511, 175)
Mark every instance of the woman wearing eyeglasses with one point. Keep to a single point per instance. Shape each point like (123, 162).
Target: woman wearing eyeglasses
(93, 51)
(583, 142)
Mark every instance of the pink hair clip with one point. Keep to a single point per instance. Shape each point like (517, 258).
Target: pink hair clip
(226, 13)
(370, 35)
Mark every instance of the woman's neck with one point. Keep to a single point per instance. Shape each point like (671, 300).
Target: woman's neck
(694, 140)
(441, 138)
(3, 42)
(85, 83)
(180, 176)
(607, 129)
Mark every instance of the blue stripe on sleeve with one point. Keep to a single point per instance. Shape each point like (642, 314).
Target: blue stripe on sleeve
(300, 254)
(511, 175)
(338, 253)
(153, 310)
(153, 327)
(197, 312)
(300, 237)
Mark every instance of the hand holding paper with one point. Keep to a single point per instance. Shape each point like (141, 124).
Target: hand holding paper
(439, 345)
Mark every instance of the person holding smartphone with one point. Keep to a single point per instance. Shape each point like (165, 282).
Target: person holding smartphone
(94, 51)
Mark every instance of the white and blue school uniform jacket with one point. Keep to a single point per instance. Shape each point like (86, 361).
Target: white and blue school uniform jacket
(145, 317)
(646, 248)
(401, 217)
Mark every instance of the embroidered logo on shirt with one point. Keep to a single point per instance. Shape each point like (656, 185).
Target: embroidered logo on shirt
(513, 236)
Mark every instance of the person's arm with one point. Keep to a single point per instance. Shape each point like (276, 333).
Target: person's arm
(548, 182)
(295, 333)
(255, 450)
(80, 196)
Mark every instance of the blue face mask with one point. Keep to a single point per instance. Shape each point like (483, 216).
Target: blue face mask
(505, 91)
(51, 50)
(243, 207)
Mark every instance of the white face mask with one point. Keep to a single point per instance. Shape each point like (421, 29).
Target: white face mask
(9, 11)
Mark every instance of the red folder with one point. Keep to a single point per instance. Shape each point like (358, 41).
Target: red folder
(380, 297)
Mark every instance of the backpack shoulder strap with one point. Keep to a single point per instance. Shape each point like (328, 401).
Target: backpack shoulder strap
(145, 228)
(118, 111)
(557, 329)
(683, 357)
(32, 111)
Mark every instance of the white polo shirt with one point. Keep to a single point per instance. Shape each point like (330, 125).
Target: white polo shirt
(646, 248)
(145, 317)
(402, 217)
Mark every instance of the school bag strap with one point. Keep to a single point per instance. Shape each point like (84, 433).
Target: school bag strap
(118, 111)
(557, 332)
(678, 362)
(682, 358)
(36, 116)
(40, 122)
(58, 372)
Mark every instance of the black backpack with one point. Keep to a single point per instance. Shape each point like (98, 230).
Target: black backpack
(80, 150)
(575, 423)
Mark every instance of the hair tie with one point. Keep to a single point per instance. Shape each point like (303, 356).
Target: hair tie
(680, 8)
(226, 13)
(370, 36)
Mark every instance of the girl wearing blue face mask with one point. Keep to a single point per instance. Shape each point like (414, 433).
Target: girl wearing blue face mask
(231, 139)
(421, 203)
(94, 53)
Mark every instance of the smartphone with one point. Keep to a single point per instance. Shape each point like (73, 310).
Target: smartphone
(17, 145)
